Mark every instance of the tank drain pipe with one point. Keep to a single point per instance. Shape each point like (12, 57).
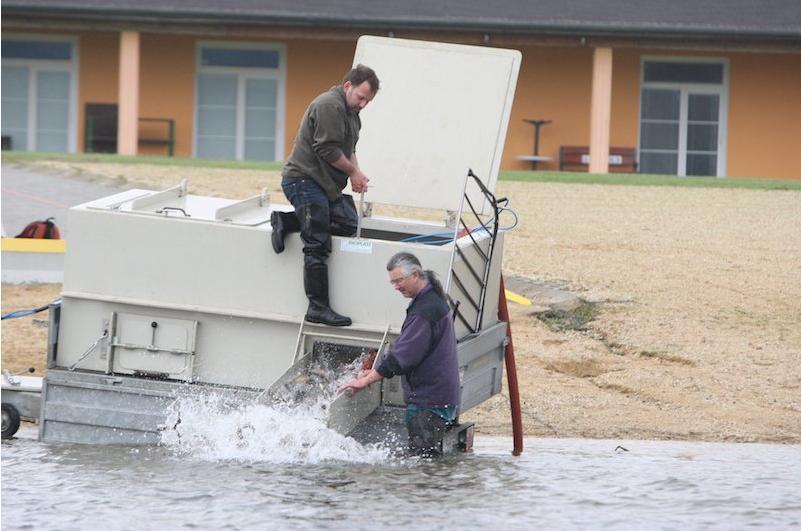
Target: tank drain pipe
(511, 374)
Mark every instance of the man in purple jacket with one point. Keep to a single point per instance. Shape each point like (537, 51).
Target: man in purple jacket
(425, 353)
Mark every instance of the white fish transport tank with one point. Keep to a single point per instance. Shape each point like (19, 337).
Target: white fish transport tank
(168, 294)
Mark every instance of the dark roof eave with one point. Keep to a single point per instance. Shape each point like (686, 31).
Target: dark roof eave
(584, 29)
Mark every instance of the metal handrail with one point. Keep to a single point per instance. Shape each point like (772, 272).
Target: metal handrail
(478, 303)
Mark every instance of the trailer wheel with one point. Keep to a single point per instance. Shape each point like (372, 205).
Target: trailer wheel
(10, 421)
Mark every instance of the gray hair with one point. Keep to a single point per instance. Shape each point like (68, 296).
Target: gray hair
(408, 264)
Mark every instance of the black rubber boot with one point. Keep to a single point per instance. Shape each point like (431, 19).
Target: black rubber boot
(426, 431)
(283, 223)
(315, 280)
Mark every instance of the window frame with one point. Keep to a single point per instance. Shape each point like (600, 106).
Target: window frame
(72, 67)
(685, 89)
(244, 73)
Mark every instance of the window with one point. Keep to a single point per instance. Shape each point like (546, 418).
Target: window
(38, 94)
(46, 50)
(239, 58)
(682, 117)
(239, 114)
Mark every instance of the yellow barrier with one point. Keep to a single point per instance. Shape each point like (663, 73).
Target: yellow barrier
(519, 299)
(33, 245)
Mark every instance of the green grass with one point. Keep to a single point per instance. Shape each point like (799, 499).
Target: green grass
(621, 179)
(578, 319)
(24, 156)
(637, 179)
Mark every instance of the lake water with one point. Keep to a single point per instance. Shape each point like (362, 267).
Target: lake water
(262, 469)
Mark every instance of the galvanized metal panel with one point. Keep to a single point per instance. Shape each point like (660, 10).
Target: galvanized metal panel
(98, 409)
(481, 365)
(347, 411)
(56, 431)
(27, 403)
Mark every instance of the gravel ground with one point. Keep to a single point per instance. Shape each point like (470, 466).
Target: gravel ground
(693, 294)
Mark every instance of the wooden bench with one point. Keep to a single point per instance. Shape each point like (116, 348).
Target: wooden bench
(579, 156)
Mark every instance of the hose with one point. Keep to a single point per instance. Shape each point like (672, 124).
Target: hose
(511, 374)
(30, 311)
(447, 237)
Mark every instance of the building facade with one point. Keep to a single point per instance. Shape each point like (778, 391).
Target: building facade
(693, 90)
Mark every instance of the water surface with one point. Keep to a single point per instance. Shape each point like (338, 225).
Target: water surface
(289, 484)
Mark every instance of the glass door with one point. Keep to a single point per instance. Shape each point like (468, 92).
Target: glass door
(261, 100)
(52, 110)
(239, 102)
(703, 125)
(15, 105)
(217, 116)
(660, 125)
(36, 108)
(39, 93)
(682, 117)
(679, 132)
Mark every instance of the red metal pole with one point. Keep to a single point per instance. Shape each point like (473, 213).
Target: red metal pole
(511, 374)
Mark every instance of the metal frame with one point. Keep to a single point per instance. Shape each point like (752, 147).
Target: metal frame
(242, 74)
(486, 258)
(684, 88)
(71, 66)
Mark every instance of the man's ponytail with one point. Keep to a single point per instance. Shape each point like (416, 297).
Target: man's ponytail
(436, 285)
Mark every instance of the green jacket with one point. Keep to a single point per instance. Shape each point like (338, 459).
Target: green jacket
(328, 130)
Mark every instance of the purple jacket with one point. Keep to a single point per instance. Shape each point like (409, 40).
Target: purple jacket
(425, 353)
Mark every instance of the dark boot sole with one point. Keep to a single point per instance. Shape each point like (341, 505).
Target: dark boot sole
(276, 238)
(320, 321)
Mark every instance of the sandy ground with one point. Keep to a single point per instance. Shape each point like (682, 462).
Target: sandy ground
(696, 294)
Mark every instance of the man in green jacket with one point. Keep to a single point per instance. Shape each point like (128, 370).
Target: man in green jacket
(322, 160)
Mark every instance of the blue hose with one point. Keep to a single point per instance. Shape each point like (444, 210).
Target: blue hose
(447, 237)
(25, 313)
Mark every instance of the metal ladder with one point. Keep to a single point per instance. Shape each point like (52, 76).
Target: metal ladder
(479, 272)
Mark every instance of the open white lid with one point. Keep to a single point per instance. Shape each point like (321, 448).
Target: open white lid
(442, 109)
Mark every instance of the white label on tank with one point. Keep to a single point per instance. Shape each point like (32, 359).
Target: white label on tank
(357, 246)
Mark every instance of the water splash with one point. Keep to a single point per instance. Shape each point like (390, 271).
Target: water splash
(209, 427)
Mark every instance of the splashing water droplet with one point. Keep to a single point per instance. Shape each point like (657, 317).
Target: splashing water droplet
(208, 427)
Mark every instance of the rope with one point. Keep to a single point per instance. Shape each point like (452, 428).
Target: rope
(89, 350)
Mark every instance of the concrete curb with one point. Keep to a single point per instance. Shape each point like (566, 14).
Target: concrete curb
(33, 260)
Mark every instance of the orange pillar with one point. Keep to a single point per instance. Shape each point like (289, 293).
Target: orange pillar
(600, 110)
(128, 111)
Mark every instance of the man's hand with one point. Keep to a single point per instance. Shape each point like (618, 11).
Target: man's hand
(354, 386)
(357, 384)
(358, 181)
(350, 166)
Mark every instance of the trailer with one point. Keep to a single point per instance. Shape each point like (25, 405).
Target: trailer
(169, 294)
(21, 400)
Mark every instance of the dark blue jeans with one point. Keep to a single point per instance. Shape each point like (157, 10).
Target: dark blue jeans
(319, 218)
